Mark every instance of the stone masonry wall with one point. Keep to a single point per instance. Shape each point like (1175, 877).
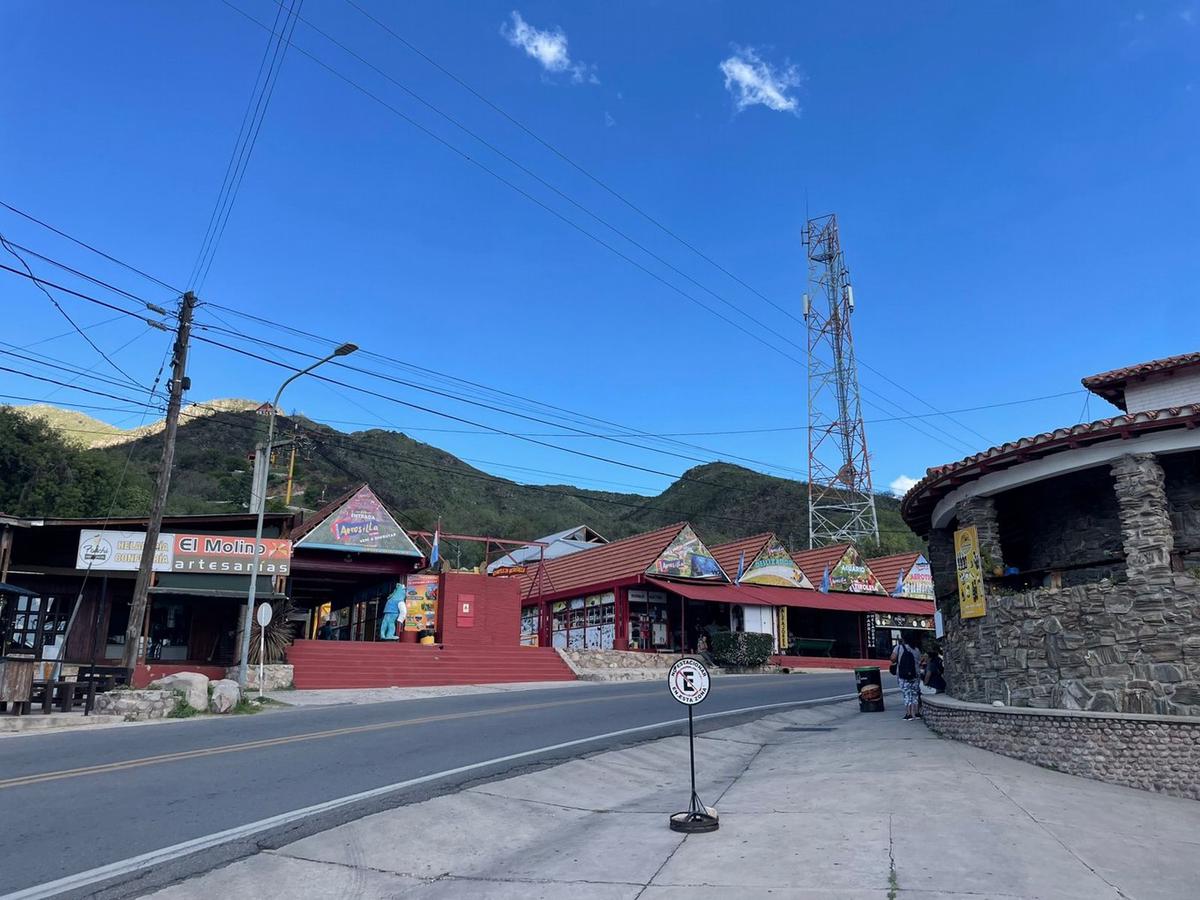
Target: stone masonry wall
(137, 706)
(1155, 754)
(1130, 646)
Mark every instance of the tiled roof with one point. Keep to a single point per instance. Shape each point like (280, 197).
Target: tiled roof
(728, 555)
(918, 503)
(813, 563)
(1111, 385)
(888, 568)
(607, 562)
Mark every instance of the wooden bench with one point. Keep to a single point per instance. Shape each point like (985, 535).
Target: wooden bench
(811, 647)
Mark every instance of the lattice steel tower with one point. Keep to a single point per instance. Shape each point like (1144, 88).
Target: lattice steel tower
(841, 504)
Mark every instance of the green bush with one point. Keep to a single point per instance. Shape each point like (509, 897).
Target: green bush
(744, 649)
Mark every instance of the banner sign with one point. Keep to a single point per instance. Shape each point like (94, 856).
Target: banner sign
(918, 582)
(211, 554)
(421, 599)
(852, 575)
(686, 557)
(775, 566)
(361, 525)
(971, 601)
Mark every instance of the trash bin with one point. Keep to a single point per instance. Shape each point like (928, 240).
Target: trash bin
(869, 685)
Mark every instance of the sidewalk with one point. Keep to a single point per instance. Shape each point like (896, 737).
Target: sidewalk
(815, 803)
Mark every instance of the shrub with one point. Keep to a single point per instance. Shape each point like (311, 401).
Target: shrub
(744, 649)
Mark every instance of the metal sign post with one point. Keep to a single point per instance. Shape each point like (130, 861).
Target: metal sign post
(263, 615)
(689, 682)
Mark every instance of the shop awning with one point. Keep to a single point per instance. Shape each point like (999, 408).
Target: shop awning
(715, 593)
(763, 595)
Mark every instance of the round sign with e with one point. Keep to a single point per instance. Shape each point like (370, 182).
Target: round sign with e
(688, 680)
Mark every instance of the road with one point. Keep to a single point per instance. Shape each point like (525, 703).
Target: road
(73, 801)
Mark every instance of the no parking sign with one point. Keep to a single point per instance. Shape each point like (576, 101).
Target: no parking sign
(688, 680)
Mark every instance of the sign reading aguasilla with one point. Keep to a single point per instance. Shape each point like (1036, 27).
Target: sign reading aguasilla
(210, 554)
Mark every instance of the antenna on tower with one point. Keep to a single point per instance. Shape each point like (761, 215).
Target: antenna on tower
(841, 504)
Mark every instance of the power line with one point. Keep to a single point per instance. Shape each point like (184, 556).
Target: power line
(239, 160)
(87, 246)
(83, 334)
(66, 290)
(153, 307)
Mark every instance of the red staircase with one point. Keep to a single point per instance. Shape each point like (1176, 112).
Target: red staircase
(352, 664)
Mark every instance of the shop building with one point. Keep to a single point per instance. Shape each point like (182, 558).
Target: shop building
(552, 546)
(1066, 564)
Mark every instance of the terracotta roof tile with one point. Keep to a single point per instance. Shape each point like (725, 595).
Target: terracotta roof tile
(888, 568)
(607, 562)
(1111, 385)
(920, 499)
(728, 555)
(814, 562)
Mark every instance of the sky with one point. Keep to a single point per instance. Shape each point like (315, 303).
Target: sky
(1017, 187)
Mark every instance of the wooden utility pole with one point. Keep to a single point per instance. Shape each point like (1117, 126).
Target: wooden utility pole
(179, 383)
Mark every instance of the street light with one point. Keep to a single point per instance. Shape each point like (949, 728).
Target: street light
(261, 493)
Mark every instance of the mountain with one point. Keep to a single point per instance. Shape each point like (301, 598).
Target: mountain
(421, 483)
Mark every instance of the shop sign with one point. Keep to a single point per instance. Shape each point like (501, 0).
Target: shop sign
(421, 601)
(972, 604)
(686, 557)
(775, 566)
(211, 554)
(918, 582)
(502, 571)
(903, 620)
(361, 525)
(851, 575)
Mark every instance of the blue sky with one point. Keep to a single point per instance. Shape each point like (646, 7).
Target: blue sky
(1018, 186)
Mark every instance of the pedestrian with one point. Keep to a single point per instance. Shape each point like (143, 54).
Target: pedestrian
(395, 608)
(328, 631)
(905, 659)
(935, 672)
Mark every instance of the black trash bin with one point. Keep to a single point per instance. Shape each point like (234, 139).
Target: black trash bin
(869, 685)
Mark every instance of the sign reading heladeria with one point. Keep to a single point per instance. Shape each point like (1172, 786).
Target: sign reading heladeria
(211, 554)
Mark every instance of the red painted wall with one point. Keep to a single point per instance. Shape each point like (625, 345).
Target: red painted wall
(494, 618)
(144, 674)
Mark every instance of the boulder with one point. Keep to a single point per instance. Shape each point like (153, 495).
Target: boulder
(192, 685)
(225, 696)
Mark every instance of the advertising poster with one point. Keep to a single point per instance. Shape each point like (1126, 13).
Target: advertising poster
(687, 557)
(421, 598)
(361, 525)
(918, 582)
(775, 566)
(851, 575)
(971, 601)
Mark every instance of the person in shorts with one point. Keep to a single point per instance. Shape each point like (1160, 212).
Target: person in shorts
(906, 661)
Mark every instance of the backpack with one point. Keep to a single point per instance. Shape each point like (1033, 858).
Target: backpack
(906, 667)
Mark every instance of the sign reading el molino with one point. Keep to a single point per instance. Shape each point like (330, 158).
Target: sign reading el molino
(211, 554)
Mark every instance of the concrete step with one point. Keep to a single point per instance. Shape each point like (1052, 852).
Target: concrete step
(37, 721)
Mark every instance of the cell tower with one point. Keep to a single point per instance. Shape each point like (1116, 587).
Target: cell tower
(841, 504)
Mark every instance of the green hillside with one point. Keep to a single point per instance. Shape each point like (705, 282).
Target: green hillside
(420, 482)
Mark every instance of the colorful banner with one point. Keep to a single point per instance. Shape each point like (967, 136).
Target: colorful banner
(971, 600)
(686, 557)
(917, 583)
(851, 575)
(775, 566)
(361, 525)
(209, 554)
(421, 599)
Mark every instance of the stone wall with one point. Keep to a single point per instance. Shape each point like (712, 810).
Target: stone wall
(276, 677)
(137, 706)
(1154, 753)
(1070, 521)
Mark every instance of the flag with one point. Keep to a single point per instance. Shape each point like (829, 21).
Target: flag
(825, 581)
(899, 584)
(741, 566)
(434, 554)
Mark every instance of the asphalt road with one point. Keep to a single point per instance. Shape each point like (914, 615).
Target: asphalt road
(72, 801)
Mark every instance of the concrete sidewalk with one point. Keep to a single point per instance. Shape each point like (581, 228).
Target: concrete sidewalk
(821, 802)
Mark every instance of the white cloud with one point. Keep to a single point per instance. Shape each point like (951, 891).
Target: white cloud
(548, 47)
(1188, 16)
(754, 81)
(609, 121)
(901, 485)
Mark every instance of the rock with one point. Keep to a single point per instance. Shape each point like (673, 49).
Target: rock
(276, 676)
(192, 685)
(225, 696)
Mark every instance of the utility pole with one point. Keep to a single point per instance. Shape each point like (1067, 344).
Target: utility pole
(179, 383)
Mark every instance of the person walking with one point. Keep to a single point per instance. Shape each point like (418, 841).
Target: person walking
(935, 672)
(905, 658)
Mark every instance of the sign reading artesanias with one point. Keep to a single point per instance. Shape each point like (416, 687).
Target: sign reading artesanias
(210, 554)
